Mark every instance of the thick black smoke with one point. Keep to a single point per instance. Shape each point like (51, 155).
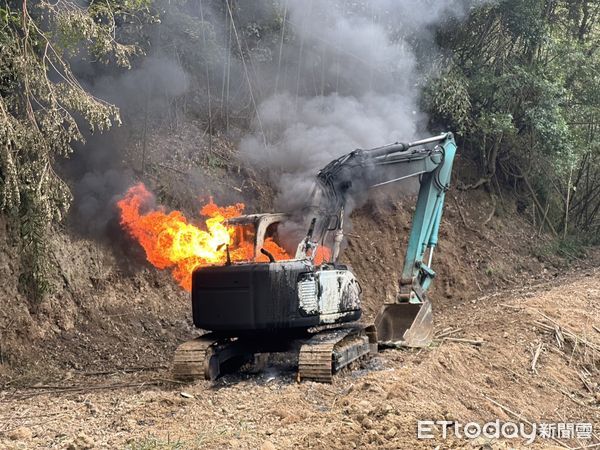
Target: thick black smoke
(351, 77)
(98, 169)
(330, 77)
(355, 82)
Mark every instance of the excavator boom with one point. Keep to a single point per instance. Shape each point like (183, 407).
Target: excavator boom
(408, 320)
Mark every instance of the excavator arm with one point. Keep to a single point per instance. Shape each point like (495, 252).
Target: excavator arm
(408, 320)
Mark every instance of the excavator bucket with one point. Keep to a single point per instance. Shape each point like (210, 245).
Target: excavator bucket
(405, 324)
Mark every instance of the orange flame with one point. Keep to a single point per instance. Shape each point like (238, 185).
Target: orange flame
(323, 254)
(171, 242)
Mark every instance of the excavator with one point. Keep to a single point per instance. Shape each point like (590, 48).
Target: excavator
(311, 308)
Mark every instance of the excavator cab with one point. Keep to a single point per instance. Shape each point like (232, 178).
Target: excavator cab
(257, 232)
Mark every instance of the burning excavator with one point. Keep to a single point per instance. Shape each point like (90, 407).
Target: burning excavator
(310, 304)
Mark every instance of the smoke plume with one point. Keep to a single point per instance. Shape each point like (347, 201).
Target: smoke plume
(349, 78)
(98, 169)
(330, 77)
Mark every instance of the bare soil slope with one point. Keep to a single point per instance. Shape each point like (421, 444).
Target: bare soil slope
(376, 407)
(111, 309)
(113, 321)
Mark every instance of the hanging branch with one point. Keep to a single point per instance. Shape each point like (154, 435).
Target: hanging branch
(37, 116)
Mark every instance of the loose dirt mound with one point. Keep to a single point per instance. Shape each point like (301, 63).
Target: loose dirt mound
(376, 407)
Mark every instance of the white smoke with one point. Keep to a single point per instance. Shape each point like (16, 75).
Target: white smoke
(349, 78)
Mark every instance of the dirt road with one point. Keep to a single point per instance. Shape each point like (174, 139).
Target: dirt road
(377, 406)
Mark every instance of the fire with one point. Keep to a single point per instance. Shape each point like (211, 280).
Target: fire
(172, 242)
(323, 254)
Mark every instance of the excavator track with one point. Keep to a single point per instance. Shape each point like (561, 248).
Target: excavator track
(192, 359)
(330, 351)
(326, 352)
(207, 356)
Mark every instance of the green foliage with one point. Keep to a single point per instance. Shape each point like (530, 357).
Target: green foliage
(570, 248)
(524, 78)
(448, 95)
(495, 124)
(40, 98)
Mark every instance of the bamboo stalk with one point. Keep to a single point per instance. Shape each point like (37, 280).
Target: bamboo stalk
(567, 203)
(537, 203)
(476, 342)
(536, 356)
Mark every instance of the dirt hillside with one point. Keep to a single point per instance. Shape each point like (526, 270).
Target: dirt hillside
(375, 407)
(112, 309)
(89, 367)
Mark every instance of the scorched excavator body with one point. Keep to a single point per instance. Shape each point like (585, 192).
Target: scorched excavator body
(254, 296)
(255, 308)
(277, 296)
(262, 307)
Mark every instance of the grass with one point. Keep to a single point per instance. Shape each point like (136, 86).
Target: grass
(153, 443)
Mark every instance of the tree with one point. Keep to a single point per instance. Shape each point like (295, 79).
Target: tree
(524, 76)
(42, 105)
